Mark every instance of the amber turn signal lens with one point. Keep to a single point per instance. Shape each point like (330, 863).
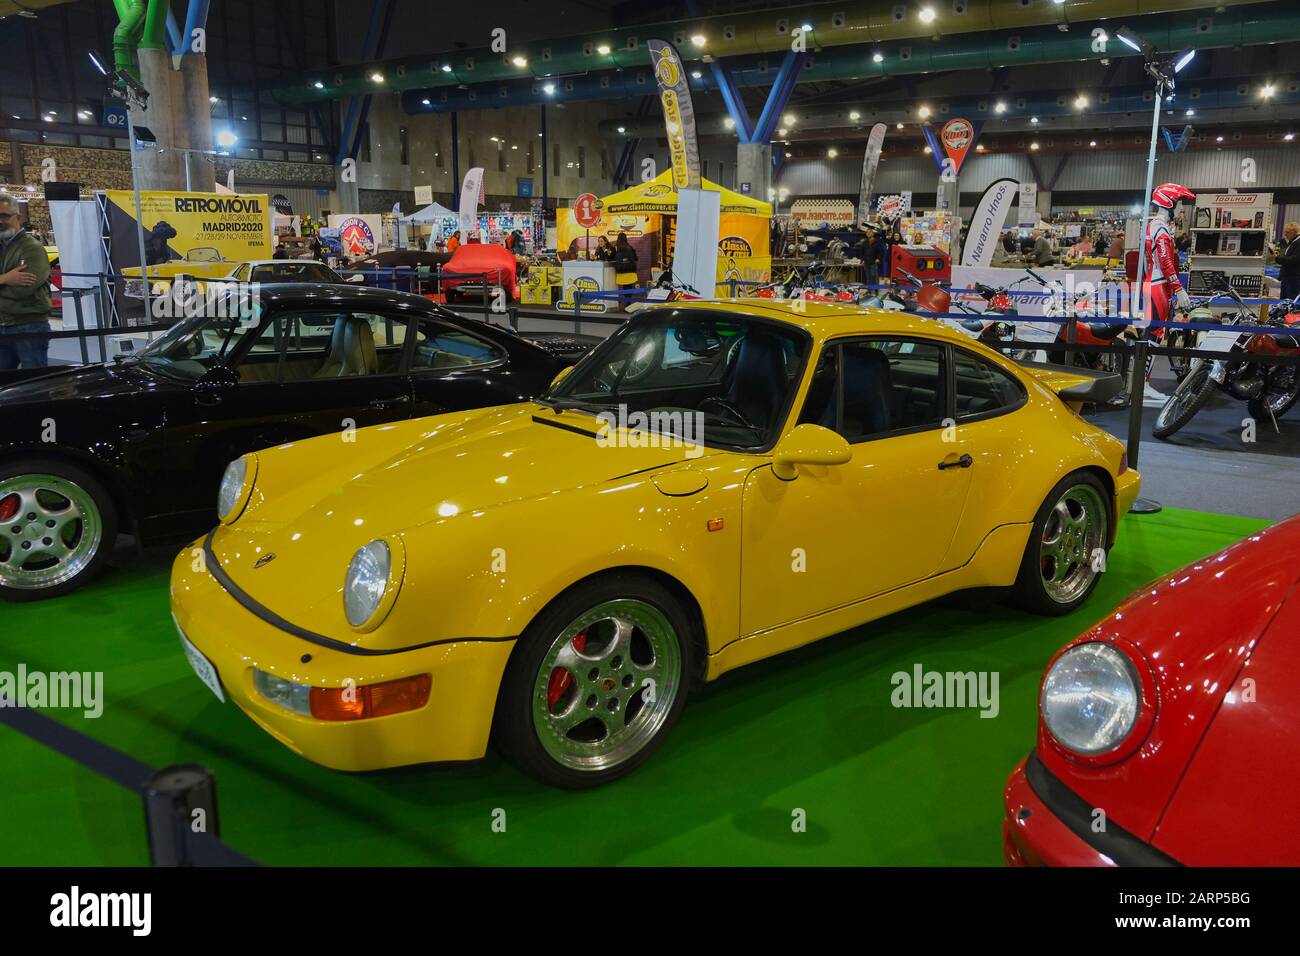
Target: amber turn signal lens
(1123, 462)
(371, 700)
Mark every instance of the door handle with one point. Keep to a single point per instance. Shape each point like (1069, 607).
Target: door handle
(965, 461)
(381, 403)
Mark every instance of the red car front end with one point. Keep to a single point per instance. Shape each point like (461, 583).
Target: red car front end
(1169, 733)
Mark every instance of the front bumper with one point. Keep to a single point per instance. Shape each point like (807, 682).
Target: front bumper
(453, 726)
(1045, 823)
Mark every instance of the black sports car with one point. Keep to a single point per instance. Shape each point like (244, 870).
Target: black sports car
(140, 445)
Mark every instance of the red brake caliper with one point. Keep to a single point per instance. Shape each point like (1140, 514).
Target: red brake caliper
(8, 507)
(561, 680)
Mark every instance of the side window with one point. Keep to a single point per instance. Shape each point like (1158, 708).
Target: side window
(821, 407)
(441, 347)
(982, 387)
(883, 387)
(261, 360)
(241, 274)
(323, 345)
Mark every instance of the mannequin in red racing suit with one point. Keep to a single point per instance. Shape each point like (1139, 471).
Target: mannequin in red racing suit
(1165, 291)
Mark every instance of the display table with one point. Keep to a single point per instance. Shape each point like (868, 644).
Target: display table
(580, 275)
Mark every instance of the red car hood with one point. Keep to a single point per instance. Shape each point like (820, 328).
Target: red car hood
(1198, 629)
(1236, 804)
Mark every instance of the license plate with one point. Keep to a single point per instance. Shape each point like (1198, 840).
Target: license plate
(202, 667)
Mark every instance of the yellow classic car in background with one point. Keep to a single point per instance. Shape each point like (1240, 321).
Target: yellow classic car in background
(715, 484)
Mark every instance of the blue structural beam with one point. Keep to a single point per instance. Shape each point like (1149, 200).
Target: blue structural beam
(623, 171)
(735, 104)
(173, 35)
(786, 77)
(351, 131)
(196, 18)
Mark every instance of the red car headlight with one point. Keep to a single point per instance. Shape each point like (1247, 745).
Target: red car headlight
(1097, 702)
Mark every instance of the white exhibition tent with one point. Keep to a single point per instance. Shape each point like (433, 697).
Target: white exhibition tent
(429, 215)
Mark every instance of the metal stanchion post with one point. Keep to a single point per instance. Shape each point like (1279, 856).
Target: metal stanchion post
(81, 325)
(1137, 378)
(178, 800)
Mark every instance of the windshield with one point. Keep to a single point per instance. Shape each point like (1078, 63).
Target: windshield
(728, 376)
(190, 348)
(294, 271)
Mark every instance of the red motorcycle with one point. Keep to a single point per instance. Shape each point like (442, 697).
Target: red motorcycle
(1270, 390)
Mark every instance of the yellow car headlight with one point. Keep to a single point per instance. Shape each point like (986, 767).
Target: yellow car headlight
(374, 577)
(236, 488)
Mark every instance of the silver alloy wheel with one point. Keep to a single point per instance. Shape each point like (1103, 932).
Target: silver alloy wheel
(606, 685)
(1074, 533)
(51, 536)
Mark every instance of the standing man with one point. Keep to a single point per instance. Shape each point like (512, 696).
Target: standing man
(24, 293)
(1288, 260)
(1042, 254)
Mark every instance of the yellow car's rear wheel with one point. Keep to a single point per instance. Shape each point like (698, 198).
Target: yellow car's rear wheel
(1066, 553)
(596, 682)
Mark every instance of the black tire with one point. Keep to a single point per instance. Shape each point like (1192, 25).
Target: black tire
(1187, 399)
(1257, 408)
(1030, 592)
(14, 533)
(516, 729)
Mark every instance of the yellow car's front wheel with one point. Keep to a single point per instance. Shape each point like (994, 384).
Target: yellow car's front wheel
(596, 682)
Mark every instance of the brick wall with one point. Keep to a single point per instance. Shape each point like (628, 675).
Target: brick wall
(97, 169)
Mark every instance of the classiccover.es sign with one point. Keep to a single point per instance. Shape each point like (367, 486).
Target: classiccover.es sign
(957, 137)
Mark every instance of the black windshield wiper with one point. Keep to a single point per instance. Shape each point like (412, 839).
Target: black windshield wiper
(560, 404)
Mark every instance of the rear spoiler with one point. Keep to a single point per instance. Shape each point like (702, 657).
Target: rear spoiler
(1076, 386)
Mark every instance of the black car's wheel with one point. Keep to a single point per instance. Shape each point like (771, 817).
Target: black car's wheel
(596, 682)
(1065, 556)
(57, 528)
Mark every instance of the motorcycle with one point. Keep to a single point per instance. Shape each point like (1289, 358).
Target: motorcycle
(1269, 390)
(997, 302)
(1093, 333)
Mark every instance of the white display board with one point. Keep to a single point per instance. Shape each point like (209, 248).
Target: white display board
(1027, 212)
(695, 257)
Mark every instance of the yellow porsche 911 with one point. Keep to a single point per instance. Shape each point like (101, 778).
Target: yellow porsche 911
(714, 484)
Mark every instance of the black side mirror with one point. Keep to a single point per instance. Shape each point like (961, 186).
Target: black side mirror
(217, 378)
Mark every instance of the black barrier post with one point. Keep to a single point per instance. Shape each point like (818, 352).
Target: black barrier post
(1071, 336)
(1137, 381)
(178, 800)
(81, 324)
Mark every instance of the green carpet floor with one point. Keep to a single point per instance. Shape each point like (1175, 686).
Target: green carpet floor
(811, 731)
